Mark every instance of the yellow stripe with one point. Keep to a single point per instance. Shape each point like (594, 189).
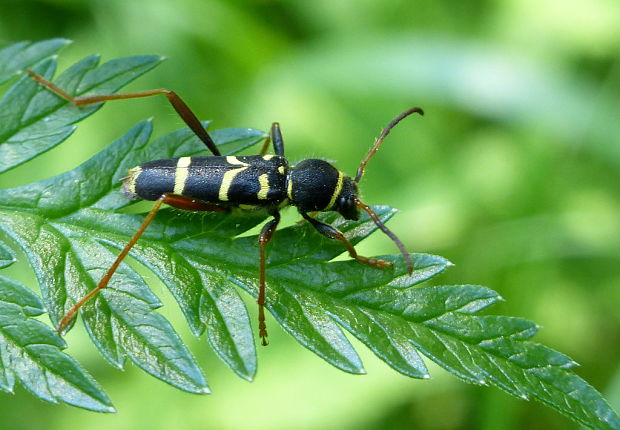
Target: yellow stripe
(133, 178)
(263, 180)
(180, 175)
(234, 160)
(289, 188)
(336, 191)
(229, 175)
(281, 170)
(267, 157)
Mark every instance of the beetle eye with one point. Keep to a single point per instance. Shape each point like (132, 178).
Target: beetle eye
(347, 208)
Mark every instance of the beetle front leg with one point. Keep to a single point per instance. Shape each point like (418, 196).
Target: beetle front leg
(332, 232)
(265, 236)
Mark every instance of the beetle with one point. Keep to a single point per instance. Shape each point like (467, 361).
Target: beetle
(256, 182)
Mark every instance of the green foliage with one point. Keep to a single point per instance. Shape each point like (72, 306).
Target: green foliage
(31, 353)
(6, 258)
(70, 228)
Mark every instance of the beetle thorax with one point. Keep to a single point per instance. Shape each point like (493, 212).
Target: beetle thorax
(316, 185)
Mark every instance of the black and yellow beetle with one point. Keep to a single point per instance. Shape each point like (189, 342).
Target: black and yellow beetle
(218, 183)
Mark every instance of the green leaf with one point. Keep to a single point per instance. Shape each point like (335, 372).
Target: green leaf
(15, 58)
(56, 230)
(6, 256)
(71, 226)
(30, 352)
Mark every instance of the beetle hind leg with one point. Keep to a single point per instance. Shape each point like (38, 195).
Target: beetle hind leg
(182, 109)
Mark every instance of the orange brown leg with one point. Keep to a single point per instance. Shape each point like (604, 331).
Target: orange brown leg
(170, 199)
(177, 103)
(265, 146)
(265, 236)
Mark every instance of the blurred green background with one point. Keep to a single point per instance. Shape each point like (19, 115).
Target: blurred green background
(513, 175)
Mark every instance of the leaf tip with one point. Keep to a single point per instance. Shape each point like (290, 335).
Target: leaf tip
(62, 344)
(247, 375)
(6, 262)
(109, 409)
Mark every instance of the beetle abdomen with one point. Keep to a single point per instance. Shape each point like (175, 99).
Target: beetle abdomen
(248, 180)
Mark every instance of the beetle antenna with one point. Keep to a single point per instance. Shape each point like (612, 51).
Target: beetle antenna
(381, 138)
(389, 233)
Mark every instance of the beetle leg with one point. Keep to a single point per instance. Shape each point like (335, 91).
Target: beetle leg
(276, 137)
(265, 236)
(189, 204)
(265, 147)
(332, 232)
(177, 103)
(170, 199)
